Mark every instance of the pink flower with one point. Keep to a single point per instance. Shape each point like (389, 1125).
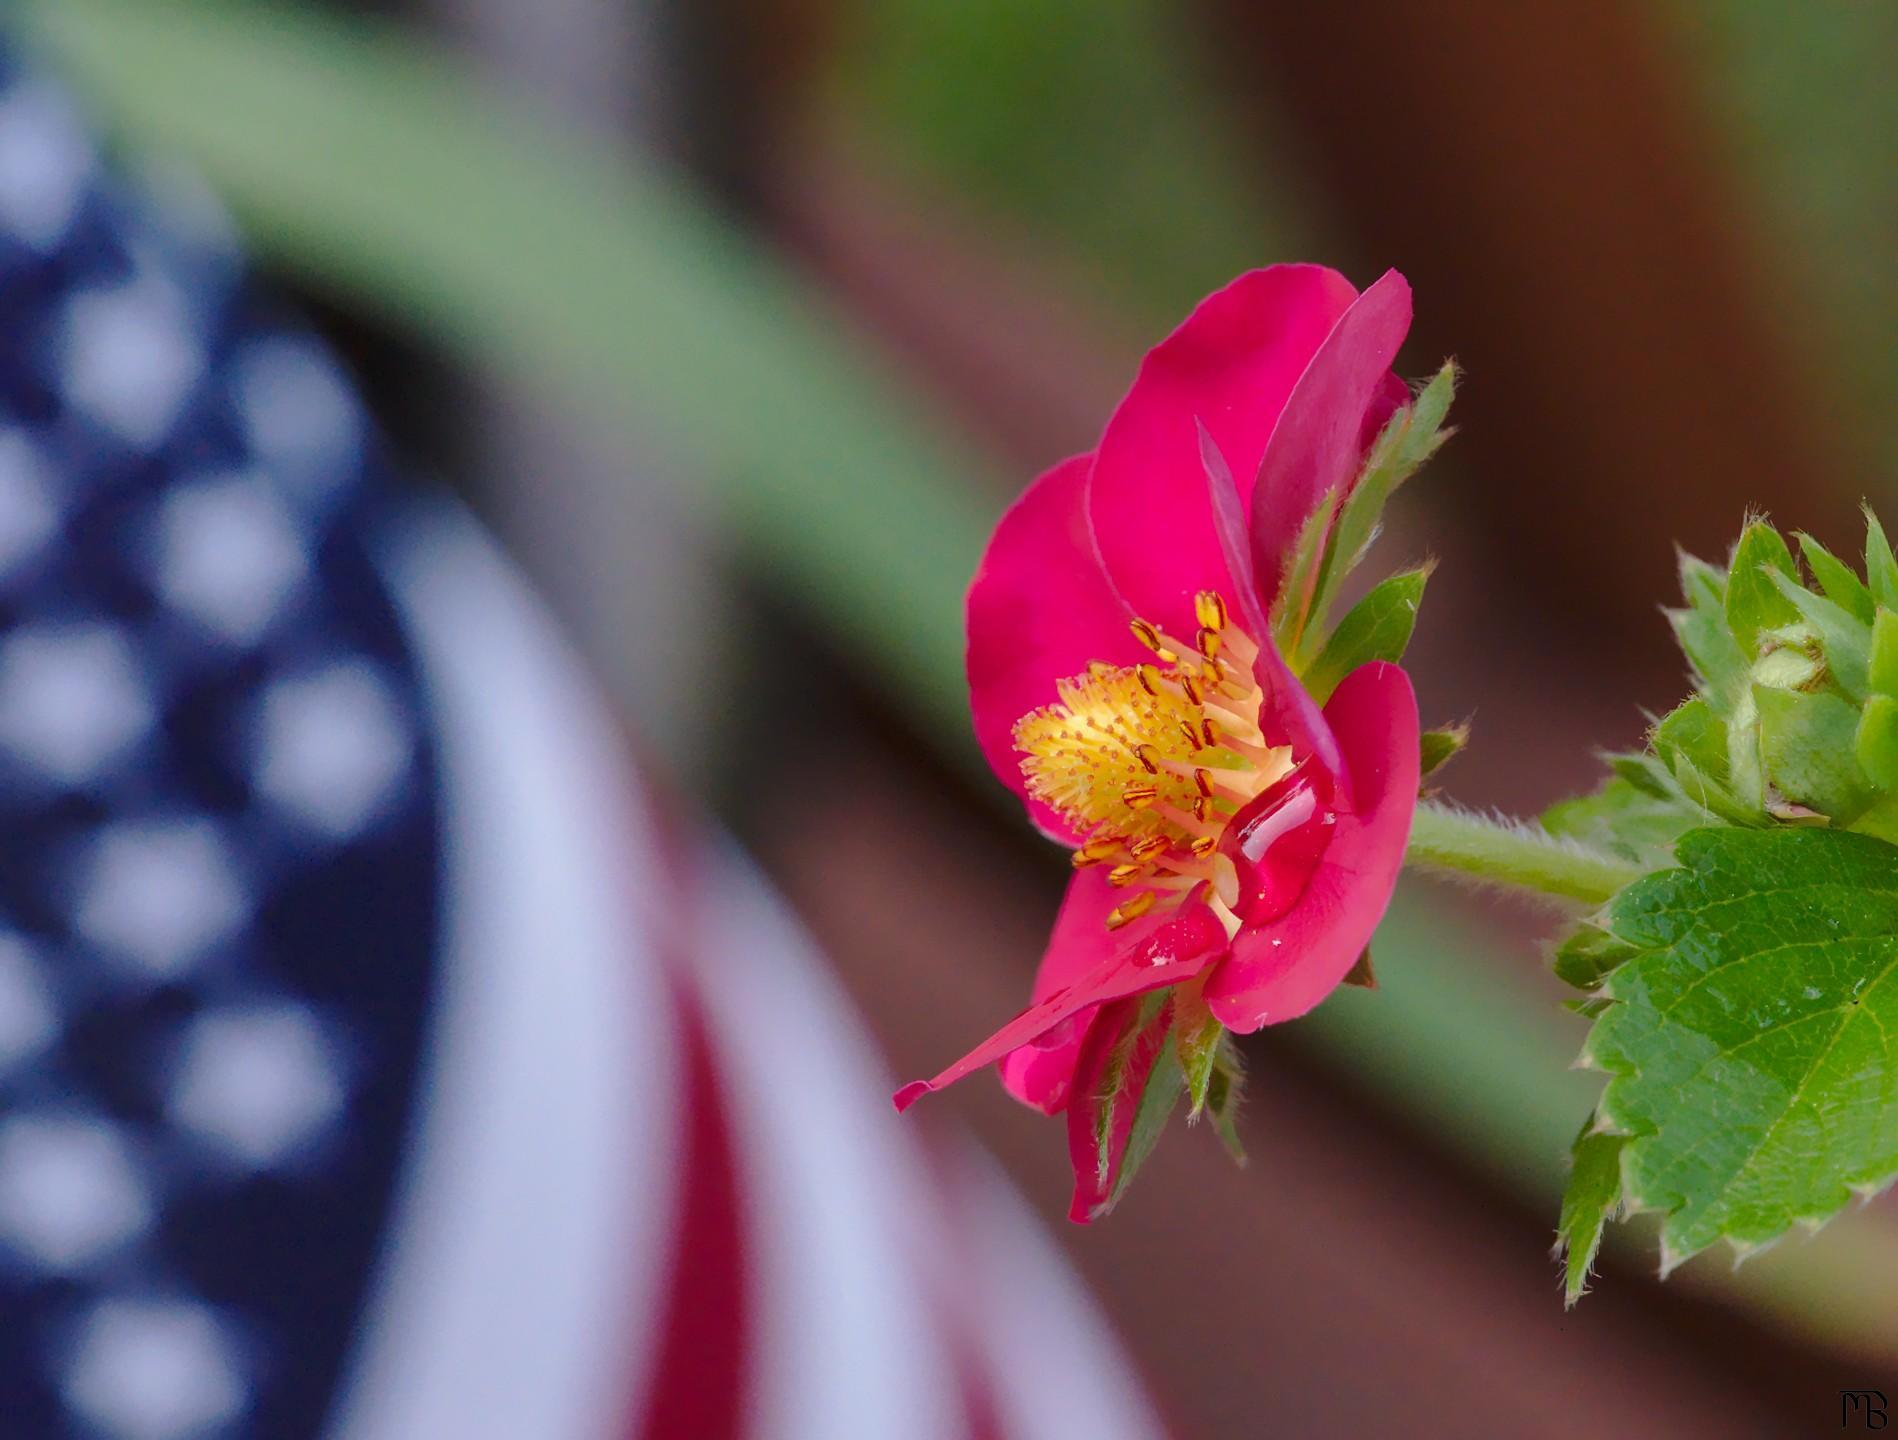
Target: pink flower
(1232, 840)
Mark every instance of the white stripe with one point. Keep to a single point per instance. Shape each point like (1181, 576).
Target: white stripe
(1054, 1368)
(848, 1337)
(517, 1289)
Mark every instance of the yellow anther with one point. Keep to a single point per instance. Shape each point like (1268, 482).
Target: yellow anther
(1147, 634)
(1123, 875)
(1147, 756)
(1193, 692)
(1131, 909)
(1202, 808)
(1147, 847)
(1139, 797)
(1208, 641)
(1210, 610)
(1092, 852)
(1149, 678)
(1192, 735)
(1208, 733)
(1204, 846)
(1203, 778)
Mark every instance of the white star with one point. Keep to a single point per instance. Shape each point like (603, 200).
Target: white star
(159, 893)
(28, 1020)
(228, 554)
(259, 1083)
(297, 411)
(44, 164)
(70, 699)
(330, 746)
(68, 1190)
(154, 1370)
(27, 513)
(131, 358)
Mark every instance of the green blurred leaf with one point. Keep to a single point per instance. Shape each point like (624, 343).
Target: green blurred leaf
(1847, 641)
(1625, 820)
(1378, 627)
(1222, 1103)
(1876, 742)
(1409, 438)
(1753, 1044)
(1807, 743)
(1754, 603)
(1704, 635)
(1592, 1199)
(1693, 731)
(1881, 567)
(1166, 1082)
(1836, 579)
(1881, 672)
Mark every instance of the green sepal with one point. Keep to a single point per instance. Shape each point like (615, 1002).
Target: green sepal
(1378, 627)
(1196, 1036)
(1881, 673)
(1293, 610)
(1881, 568)
(1754, 603)
(1808, 746)
(1693, 732)
(1704, 635)
(1409, 438)
(1440, 747)
(1589, 956)
(1624, 819)
(1847, 641)
(1591, 1199)
(1222, 1100)
(1165, 1084)
(1876, 742)
(1837, 579)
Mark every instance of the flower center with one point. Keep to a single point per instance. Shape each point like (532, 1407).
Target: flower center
(1150, 763)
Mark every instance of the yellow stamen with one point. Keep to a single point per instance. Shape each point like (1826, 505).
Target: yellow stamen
(1130, 909)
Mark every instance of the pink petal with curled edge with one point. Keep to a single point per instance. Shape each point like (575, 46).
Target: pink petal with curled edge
(1177, 948)
(1280, 970)
(1092, 1190)
(1319, 441)
(1040, 1073)
(1231, 367)
(1039, 609)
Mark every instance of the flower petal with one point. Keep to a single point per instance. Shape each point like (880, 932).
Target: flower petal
(1177, 947)
(1039, 609)
(1231, 367)
(1040, 1072)
(1335, 411)
(1092, 1189)
(1281, 970)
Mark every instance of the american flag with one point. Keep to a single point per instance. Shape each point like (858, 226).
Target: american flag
(352, 1082)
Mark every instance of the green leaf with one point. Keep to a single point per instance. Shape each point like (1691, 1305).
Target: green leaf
(1808, 745)
(1704, 635)
(1753, 1045)
(1440, 747)
(1592, 1199)
(1881, 673)
(1876, 741)
(1881, 568)
(1754, 602)
(1378, 627)
(1590, 955)
(1847, 641)
(1835, 577)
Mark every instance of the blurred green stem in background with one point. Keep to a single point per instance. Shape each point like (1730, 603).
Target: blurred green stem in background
(388, 175)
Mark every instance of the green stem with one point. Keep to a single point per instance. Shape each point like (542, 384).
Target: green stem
(1509, 853)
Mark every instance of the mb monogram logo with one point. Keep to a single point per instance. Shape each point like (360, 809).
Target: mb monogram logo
(1866, 1407)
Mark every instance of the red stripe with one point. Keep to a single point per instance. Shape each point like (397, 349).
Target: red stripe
(700, 1374)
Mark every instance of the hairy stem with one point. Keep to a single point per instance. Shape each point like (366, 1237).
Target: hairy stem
(1518, 855)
